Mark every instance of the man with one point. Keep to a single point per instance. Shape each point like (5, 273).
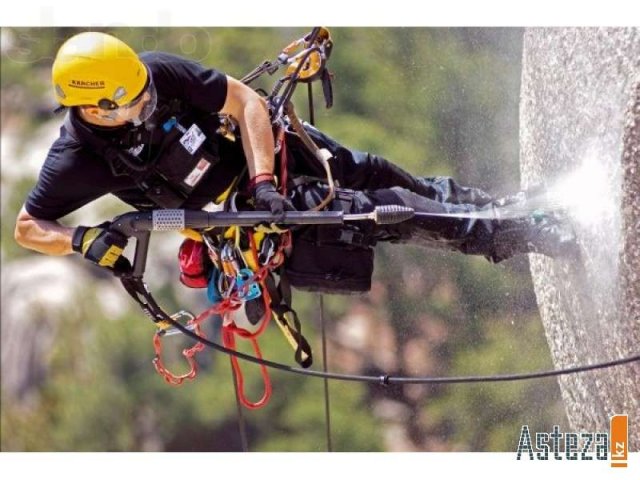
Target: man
(144, 128)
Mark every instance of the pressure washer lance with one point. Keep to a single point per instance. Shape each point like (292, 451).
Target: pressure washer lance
(135, 224)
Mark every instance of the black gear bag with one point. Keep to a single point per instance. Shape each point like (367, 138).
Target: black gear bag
(336, 259)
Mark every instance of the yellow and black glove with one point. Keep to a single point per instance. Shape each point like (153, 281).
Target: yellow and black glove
(102, 246)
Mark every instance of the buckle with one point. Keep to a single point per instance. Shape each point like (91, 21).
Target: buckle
(352, 237)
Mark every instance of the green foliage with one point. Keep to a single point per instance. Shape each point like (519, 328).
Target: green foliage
(500, 409)
(435, 101)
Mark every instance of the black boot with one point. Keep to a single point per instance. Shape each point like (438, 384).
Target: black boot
(549, 234)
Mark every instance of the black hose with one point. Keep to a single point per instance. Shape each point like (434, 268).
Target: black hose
(386, 379)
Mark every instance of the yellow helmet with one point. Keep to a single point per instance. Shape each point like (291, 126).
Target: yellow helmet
(94, 68)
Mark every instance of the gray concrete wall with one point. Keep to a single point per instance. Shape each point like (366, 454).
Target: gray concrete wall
(575, 109)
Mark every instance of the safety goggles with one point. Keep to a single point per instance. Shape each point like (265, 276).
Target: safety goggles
(133, 112)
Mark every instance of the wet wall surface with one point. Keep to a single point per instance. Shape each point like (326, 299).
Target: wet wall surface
(579, 110)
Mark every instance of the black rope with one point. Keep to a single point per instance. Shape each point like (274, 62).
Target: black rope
(327, 406)
(312, 112)
(325, 363)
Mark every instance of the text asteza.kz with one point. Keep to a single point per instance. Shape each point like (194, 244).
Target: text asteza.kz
(563, 446)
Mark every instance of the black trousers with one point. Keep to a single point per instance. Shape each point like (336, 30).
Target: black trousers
(368, 180)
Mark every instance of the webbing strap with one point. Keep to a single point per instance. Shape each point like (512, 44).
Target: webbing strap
(287, 319)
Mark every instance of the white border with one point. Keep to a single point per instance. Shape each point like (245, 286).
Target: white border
(305, 466)
(318, 12)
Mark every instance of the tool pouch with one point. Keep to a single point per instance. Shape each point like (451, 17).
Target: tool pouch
(335, 259)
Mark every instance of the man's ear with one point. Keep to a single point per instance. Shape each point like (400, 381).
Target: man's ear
(91, 111)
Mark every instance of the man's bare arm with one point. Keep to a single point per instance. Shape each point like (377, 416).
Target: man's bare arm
(44, 236)
(250, 110)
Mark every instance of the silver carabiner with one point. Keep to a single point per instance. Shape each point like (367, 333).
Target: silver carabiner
(267, 251)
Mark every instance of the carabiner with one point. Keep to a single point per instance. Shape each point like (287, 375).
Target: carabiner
(188, 353)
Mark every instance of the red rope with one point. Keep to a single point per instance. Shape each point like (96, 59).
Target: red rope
(228, 336)
(283, 161)
(229, 341)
